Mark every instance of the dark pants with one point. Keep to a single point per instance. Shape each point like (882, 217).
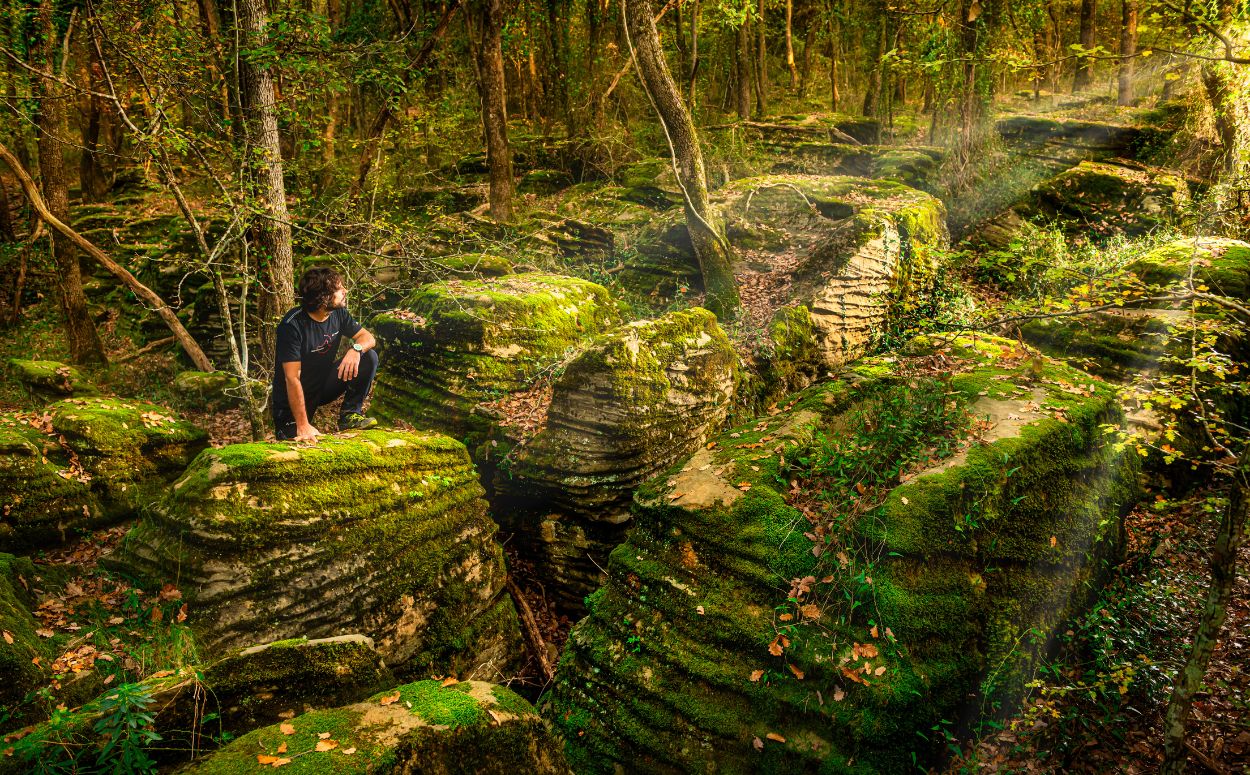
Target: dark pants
(354, 393)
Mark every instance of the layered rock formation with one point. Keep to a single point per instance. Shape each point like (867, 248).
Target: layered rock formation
(382, 533)
(85, 462)
(22, 651)
(430, 727)
(1097, 200)
(453, 345)
(45, 380)
(637, 400)
(914, 591)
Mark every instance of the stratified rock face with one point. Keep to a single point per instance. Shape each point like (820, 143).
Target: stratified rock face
(1096, 200)
(846, 249)
(83, 463)
(469, 727)
(131, 449)
(382, 533)
(636, 401)
(244, 690)
(744, 629)
(21, 651)
(456, 344)
(50, 379)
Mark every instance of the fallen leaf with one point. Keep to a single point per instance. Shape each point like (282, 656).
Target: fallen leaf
(758, 743)
(263, 759)
(349, 751)
(8, 637)
(838, 694)
(281, 762)
(756, 675)
(287, 729)
(797, 672)
(44, 632)
(327, 745)
(879, 671)
(281, 748)
(390, 699)
(450, 681)
(904, 500)
(776, 738)
(323, 735)
(1053, 542)
(873, 631)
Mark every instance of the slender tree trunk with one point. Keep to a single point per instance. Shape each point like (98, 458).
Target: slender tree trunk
(7, 232)
(272, 230)
(694, 53)
(1228, 541)
(80, 332)
(794, 70)
(706, 231)
(761, 65)
(742, 60)
(91, 178)
(809, 41)
(1217, 80)
(1128, 48)
(494, 109)
(558, 32)
(834, 94)
(872, 93)
(1085, 66)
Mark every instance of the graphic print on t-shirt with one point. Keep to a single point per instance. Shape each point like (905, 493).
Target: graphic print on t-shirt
(326, 343)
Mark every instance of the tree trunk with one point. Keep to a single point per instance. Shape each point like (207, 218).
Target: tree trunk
(1128, 48)
(761, 66)
(80, 332)
(558, 37)
(7, 232)
(1217, 80)
(809, 40)
(1085, 66)
(743, 72)
(834, 94)
(494, 110)
(1228, 541)
(706, 233)
(794, 70)
(872, 93)
(272, 230)
(694, 53)
(91, 178)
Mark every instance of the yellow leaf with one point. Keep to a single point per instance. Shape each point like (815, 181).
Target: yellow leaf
(904, 500)
(776, 738)
(281, 762)
(282, 748)
(323, 735)
(797, 672)
(8, 637)
(263, 759)
(287, 729)
(326, 745)
(450, 681)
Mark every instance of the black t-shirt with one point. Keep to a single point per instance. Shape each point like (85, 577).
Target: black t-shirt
(313, 344)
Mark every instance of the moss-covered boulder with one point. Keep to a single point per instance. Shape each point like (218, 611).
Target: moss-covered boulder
(197, 704)
(383, 533)
(131, 449)
(83, 463)
(1096, 200)
(452, 345)
(748, 627)
(45, 496)
(24, 656)
(917, 167)
(50, 379)
(433, 727)
(636, 401)
(1221, 264)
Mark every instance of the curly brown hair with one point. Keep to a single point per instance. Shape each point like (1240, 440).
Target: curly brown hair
(317, 288)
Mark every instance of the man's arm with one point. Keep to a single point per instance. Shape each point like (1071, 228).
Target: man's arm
(349, 367)
(304, 431)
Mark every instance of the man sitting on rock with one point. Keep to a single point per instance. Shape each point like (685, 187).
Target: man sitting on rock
(306, 375)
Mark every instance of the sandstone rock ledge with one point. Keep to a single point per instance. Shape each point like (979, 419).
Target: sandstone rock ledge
(382, 533)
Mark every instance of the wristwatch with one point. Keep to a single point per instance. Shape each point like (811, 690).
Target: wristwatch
(358, 347)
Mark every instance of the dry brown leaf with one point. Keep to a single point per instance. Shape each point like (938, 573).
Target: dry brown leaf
(281, 762)
(281, 748)
(797, 672)
(287, 729)
(323, 735)
(879, 671)
(757, 743)
(349, 751)
(327, 745)
(390, 699)
(450, 681)
(756, 675)
(8, 637)
(264, 759)
(776, 738)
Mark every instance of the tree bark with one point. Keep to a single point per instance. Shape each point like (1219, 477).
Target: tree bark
(272, 230)
(1085, 67)
(743, 72)
(794, 70)
(494, 110)
(58, 226)
(80, 332)
(1128, 48)
(91, 178)
(761, 66)
(834, 94)
(872, 93)
(7, 232)
(809, 40)
(706, 233)
(1228, 541)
